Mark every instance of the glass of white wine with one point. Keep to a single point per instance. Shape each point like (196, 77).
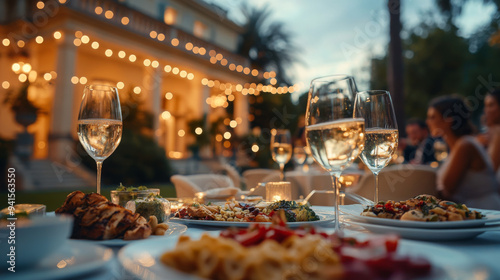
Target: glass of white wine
(334, 136)
(381, 130)
(100, 123)
(281, 148)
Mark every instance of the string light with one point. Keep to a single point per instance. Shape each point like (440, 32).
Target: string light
(32, 76)
(214, 57)
(108, 14)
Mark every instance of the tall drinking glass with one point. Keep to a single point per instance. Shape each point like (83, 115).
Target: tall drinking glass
(281, 148)
(334, 136)
(100, 124)
(381, 130)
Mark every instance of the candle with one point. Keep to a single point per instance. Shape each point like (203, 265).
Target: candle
(276, 191)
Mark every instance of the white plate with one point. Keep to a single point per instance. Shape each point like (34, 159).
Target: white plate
(354, 213)
(444, 234)
(74, 258)
(142, 260)
(323, 218)
(173, 230)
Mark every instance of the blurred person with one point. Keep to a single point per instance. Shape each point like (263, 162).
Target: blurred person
(419, 147)
(491, 138)
(466, 175)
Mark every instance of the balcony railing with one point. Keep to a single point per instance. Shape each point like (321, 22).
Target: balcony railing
(142, 24)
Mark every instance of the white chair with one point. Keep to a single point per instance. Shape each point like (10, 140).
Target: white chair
(253, 177)
(209, 186)
(233, 174)
(398, 182)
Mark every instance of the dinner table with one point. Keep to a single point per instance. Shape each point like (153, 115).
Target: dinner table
(482, 251)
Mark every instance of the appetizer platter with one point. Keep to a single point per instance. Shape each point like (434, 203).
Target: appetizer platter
(96, 218)
(422, 211)
(239, 214)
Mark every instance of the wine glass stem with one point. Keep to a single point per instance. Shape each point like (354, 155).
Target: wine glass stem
(376, 188)
(335, 180)
(282, 174)
(99, 168)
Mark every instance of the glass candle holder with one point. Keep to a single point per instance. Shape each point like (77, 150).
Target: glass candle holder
(276, 191)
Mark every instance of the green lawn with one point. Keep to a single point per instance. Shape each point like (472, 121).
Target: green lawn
(55, 198)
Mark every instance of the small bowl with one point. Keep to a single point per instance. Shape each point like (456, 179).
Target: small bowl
(35, 238)
(159, 207)
(122, 197)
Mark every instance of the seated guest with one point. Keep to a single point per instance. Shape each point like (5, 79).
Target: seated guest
(466, 175)
(419, 146)
(491, 138)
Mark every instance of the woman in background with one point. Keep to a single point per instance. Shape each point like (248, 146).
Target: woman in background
(466, 176)
(491, 138)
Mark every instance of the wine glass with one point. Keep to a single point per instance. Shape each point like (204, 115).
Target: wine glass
(334, 136)
(381, 130)
(281, 148)
(100, 123)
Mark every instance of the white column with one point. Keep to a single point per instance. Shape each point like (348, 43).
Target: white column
(241, 111)
(152, 92)
(61, 125)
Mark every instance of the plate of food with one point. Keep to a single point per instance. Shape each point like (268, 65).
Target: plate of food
(276, 252)
(239, 214)
(98, 220)
(428, 234)
(422, 211)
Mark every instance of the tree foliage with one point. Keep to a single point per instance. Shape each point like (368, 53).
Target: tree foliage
(439, 61)
(267, 43)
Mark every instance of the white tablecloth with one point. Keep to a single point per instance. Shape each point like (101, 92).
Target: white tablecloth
(484, 252)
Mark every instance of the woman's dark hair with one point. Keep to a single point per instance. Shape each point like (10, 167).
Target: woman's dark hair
(495, 94)
(455, 108)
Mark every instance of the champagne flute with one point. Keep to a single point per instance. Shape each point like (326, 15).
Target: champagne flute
(100, 123)
(381, 130)
(334, 136)
(281, 148)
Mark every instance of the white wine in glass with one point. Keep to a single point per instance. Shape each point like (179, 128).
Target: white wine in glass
(281, 148)
(333, 135)
(100, 124)
(382, 135)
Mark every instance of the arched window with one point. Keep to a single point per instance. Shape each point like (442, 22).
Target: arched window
(170, 16)
(200, 30)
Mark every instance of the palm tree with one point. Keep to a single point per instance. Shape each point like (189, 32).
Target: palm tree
(267, 43)
(395, 66)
